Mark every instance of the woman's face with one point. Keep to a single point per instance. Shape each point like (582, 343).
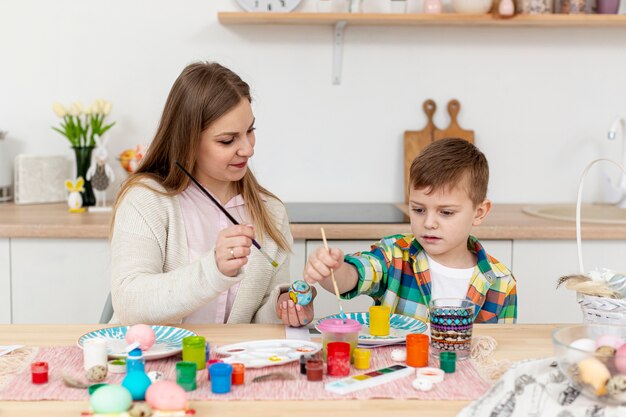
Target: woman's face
(225, 147)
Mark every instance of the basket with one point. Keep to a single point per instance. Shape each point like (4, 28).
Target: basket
(596, 309)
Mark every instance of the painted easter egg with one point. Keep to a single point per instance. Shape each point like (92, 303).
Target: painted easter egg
(137, 383)
(580, 346)
(620, 359)
(617, 387)
(166, 396)
(594, 373)
(97, 373)
(610, 340)
(142, 334)
(301, 293)
(111, 399)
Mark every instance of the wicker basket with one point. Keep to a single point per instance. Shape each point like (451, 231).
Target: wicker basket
(596, 309)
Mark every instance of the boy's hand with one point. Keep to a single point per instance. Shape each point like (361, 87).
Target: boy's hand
(320, 263)
(232, 248)
(293, 314)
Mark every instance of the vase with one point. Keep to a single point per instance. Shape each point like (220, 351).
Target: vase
(83, 161)
(535, 6)
(607, 6)
(573, 6)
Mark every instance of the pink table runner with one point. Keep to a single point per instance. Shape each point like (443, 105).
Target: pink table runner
(465, 384)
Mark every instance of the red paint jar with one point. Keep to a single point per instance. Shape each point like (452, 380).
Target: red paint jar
(209, 363)
(39, 372)
(338, 359)
(417, 350)
(239, 370)
(314, 370)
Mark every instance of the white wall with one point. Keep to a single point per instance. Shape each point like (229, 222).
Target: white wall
(539, 99)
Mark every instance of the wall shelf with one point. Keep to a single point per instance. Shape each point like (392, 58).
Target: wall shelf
(410, 19)
(339, 21)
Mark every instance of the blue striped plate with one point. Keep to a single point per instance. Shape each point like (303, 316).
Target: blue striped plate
(168, 341)
(399, 327)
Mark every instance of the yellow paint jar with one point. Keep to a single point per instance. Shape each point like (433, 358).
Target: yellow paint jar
(361, 358)
(379, 320)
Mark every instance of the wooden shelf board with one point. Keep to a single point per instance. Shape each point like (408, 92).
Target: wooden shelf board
(410, 19)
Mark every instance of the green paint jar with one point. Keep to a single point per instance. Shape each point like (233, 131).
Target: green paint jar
(194, 350)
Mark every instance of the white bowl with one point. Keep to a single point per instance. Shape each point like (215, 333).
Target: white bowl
(472, 6)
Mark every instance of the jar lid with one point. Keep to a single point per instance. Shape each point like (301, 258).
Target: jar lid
(338, 326)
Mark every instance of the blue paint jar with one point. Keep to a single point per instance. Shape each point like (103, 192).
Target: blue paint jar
(221, 374)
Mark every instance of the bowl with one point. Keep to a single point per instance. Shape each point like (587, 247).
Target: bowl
(472, 6)
(593, 357)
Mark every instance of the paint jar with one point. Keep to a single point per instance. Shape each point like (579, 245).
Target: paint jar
(221, 375)
(39, 371)
(209, 363)
(338, 359)
(303, 360)
(194, 350)
(135, 361)
(451, 323)
(416, 350)
(335, 330)
(314, 370)
(361, 358)
(95, 353)
(379, 320)
(186, 375)
(239, 371)
(447, 362)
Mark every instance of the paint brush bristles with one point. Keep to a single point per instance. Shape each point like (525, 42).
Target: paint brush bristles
(332, 275)
(226, 213)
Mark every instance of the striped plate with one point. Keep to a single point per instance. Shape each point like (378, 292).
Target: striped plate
(168, 341)
(399, 327)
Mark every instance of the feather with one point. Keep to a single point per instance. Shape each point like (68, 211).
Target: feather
(587, 286)
(275, 376)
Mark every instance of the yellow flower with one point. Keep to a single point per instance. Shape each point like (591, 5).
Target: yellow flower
(106, 108)
(59, 110)
(76, 108)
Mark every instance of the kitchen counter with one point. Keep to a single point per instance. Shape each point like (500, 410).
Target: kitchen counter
(505, 222)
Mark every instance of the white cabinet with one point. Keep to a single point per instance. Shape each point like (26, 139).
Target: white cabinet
(59, 280)
(5, 281)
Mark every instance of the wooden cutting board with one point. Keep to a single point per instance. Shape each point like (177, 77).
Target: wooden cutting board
(415, 141)
(454, 130)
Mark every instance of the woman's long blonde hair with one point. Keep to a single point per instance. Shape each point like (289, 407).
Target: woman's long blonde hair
(201, 94)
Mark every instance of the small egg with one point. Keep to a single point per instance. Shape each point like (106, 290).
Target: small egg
(605, 351)
(140, 410)
(97, 373)
(166, 396)
(617, 387)
(609, 340)
(578, 349)
(620, 359)
(398, 355)
(142, 334)
(422, 384)
(111, 399)
(593, 372)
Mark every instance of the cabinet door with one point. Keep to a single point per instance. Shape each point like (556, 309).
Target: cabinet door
(326, 302)
(59, 280)
(5, 281)
(538, 265)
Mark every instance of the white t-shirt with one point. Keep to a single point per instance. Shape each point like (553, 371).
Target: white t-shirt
(448, 282)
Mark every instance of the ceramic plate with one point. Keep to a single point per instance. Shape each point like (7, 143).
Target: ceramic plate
(168, 341)
(399, 327)
(261, 353)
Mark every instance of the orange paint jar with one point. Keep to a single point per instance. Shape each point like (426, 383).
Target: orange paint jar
(239, 371)
(417, 350)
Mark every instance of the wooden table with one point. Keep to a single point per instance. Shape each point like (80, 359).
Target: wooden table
(516, 342)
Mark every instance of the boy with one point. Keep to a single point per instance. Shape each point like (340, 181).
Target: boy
(447, 196)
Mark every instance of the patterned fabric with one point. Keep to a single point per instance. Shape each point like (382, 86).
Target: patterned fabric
(395, 273)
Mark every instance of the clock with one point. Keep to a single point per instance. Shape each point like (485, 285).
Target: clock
(269, 5)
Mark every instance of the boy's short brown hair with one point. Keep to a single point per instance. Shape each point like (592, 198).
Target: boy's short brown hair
(448, 162)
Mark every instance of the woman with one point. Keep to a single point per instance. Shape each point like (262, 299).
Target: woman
(176, 256)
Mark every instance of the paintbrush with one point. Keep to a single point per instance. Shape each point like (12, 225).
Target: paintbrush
(231, 218)
(332, 276)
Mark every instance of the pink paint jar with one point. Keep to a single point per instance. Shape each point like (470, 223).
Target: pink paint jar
(335, 330)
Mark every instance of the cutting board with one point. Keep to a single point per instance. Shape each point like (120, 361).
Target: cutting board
(454, 130)
(415, 141)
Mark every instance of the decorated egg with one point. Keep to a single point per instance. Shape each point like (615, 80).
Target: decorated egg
(301, 293)
(140, 410)
(593, 372)
(111, 399)
(97, 373)
(620, 359)
(166, 396)
(580, 346)
(142, 334)
(617, 387)
(137, 383)
(609, 340)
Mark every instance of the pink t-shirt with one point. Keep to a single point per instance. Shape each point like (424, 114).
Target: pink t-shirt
(203, 222)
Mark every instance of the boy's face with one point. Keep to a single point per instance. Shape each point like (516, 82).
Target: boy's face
(441, 221)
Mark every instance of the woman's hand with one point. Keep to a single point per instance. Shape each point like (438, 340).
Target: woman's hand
(232, 248)
(293, 314)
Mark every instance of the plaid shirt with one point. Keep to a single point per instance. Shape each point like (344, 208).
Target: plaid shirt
(395, 273)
